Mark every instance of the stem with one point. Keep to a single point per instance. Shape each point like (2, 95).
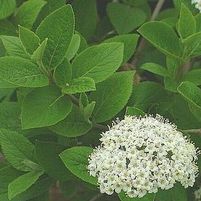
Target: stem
(193, 131)
(157, 9)
(142, 43)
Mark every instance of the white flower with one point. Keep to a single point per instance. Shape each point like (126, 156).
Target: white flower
(197, 4)
(197, 194)
(140, 155)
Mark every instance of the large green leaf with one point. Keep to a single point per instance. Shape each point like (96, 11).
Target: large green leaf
(186, 17)
(28, 12)
(86, 17)
(48, 158)
(76, 160)
(58, 27)
(7, 8)
(163, 37)
(112, 95)
(73, 125)
(29, 39)
(129, 41)
(98, 62)
(17, 150)
(14, 46)
(22, 183)
(44, 107)
(21, 72)
(125, 18)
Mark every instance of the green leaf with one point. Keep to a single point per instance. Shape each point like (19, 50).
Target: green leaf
(49, 7)
(74, 124)
(10, 116)
(191, 93)
(22, 183)
(7, 28)
(163, 37)
(7, 174)
(129, 41)
(198, 22)
(148, 197)
(28, 12)
(76, 160)
(156, 69)
(125, 18)
(63, 73)
(7, 8)
(179, 193)
(112, 95)
(48, 158)
(192, 45)
(134, 111)
(186, 17)
(193, 76)
(29, 39)
(58, 27)
(44, 107)
(73, 47)
(173, 64)
(38, 188)
(79, 85)
(88, 110)
(98, 62)
(171, 84)
(21, 72)
(85, 15)
(14, 46)
(38, 54)
(18, 151)
(148, 95)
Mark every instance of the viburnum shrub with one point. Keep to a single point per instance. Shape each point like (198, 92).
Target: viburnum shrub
(100, 100)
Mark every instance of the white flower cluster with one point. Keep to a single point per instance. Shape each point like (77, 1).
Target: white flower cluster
(197, 4)
(139, 155)
(197, 194)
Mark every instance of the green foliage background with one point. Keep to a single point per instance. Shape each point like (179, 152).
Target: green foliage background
(68, 69)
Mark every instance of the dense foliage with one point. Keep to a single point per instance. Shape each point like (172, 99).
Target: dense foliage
(69, 69)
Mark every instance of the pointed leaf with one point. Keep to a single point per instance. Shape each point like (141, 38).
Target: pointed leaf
(22, 183)
(28, 12)
(29, 39)
(58, 27)
(76, 160)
